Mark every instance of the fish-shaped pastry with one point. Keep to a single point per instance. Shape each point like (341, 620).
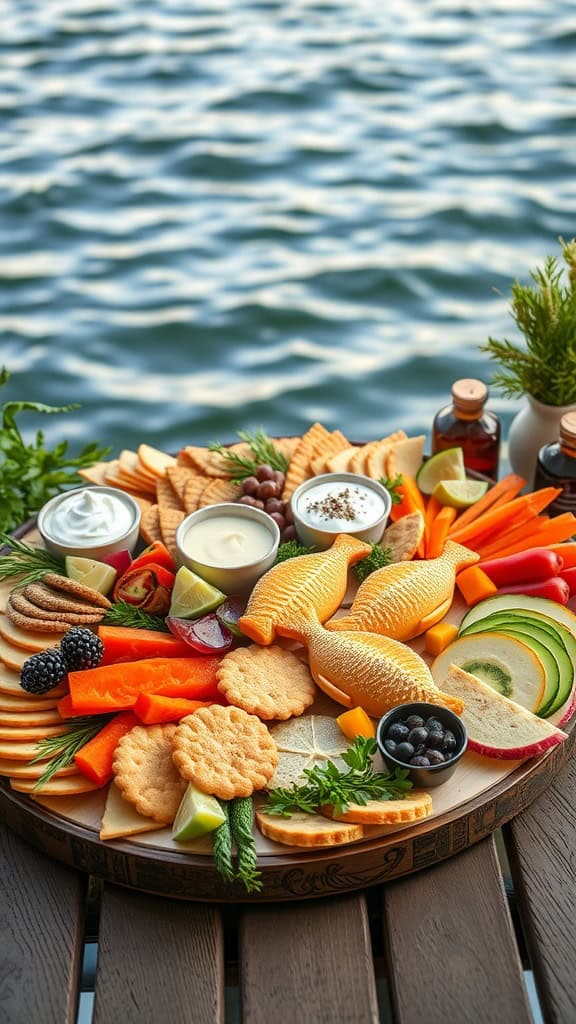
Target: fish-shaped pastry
(404, 599)
(366, 670)
(312, 585)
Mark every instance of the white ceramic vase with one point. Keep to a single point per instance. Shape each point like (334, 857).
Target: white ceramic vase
(535, 425)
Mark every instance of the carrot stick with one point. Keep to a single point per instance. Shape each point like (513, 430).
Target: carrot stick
(475, 585)
(524, 507)
(412, 499)
(554, 531)
(439, 532)
(507, 488)
(95, 758)
(433, 507)
(153, 709)
(525, 531)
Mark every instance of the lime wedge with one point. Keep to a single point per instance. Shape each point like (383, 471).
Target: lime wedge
(460, 493)
(197, 815)
(192, 596)
(91, 573)
(447, 465)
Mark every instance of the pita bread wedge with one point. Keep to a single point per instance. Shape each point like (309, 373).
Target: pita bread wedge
(404, 536)
(405, 457)
(154, 460)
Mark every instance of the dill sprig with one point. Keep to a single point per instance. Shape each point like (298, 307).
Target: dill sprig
(292, 549)
(328, 786)
(123, 614)
(264, 452)
(63, 747)
(31, 564)
(377, 559)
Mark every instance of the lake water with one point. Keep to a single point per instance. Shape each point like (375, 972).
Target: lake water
(220, 214)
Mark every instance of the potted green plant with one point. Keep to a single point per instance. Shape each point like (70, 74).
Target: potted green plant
(543, 369)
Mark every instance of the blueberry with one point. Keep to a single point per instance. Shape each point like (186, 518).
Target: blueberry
(420, 761)
(450, 742)
(417, 735)
(404, 751)
(397, 731)
(414, 722)
(435, 738)
(435, 723)
(434, 756)
(390, 746)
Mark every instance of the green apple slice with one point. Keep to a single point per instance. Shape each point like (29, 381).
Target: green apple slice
(446, 465)
(197, 815)
(91, 573)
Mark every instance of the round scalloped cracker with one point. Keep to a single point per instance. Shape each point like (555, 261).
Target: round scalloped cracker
(269, 682)
(54, 579)
(145, 773)
(404, 536)
(70, 785)
(308, 830)
(225, 751)
(24, 639)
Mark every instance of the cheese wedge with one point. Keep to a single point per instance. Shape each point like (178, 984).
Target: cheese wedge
(386, 812)
(121, 819)
(308, 830)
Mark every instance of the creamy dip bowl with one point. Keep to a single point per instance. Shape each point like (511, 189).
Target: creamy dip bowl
(229, 545)
(90, 522)
(334, 503)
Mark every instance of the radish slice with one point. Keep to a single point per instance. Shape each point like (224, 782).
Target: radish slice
(206, 635)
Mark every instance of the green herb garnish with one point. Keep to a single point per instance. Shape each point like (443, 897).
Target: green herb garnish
(30, 474)
(222, 846)
(63, 747)
(327, 785)
(31, 564)
(123, 614)
(292, 549)
(391, 486)
(377, 559)
(241, 823)
(263, 450)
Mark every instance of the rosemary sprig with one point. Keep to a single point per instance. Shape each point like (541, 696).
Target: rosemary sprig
(241, 823)
(222, 846)
(63, 747)
(263, 450)
(377, 559)
(123, 614)
(29, 563)
(327, 785)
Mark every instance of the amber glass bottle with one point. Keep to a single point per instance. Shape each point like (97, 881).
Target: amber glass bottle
(556, 467)
(468, 425)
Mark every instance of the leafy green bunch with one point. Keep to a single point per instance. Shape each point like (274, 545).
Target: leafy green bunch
(545, 314)
(30, 474)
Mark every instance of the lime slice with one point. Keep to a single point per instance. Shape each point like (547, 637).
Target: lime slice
(197, 815)
(447, 465)
(91, 573)
(460, 493)
(192, 596)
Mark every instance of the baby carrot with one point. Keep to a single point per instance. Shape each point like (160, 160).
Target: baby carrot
(522, 508)
(504, 491)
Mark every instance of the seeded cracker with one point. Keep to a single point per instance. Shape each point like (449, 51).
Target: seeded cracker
(34, 625)
(269, 682)
(53, 579)
(145, 773)
(225, 751)
(43, 597)
(25, 607)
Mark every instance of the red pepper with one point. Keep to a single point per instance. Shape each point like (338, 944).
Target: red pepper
(148, 587)
(523, 567)
(555, 589)
(155, 554)
(569, 575)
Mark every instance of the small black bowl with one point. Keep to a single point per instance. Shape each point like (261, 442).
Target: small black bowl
(423, 776)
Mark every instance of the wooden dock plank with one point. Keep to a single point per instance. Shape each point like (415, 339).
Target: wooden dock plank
(158, 960)
(452, 952)
(541, 846)
(41, 935)
(308, 962)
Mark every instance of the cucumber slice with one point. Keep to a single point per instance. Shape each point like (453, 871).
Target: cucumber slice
(446, 465)
(521, 602)
(505, 663)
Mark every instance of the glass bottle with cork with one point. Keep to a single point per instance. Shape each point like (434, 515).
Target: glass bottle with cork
(468, 425)
(556, 467)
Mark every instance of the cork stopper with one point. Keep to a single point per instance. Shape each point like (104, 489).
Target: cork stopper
(469, 395)
(568, 429)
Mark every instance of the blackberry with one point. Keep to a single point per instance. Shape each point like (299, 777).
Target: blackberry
(43, 671)
(81, 648)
